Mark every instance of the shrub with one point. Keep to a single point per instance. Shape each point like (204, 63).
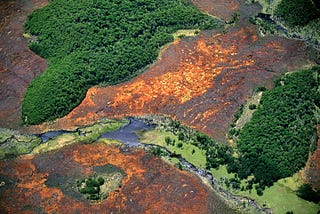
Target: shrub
(252, 106)
(168, 140)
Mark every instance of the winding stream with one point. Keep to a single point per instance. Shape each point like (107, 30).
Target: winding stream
(127, 135)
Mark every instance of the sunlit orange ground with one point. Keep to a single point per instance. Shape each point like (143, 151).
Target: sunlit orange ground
(200, 81)
(149, 186)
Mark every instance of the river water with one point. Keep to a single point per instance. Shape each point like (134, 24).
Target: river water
(128, 136)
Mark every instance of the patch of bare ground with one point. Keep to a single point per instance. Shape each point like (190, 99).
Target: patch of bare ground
(247, 112)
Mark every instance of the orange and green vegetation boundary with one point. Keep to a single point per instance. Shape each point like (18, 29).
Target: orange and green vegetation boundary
(88, 43)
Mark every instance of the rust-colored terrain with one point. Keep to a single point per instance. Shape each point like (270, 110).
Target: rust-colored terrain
(18, 65)
(313, 165)
(47, 184)
(218, 8)
(200, 81)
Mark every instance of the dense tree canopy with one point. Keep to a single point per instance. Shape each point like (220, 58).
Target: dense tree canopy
(98, 41)
(276, 142)
(298, 12)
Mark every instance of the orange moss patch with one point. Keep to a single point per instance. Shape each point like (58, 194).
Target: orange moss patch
(200, 81)
(149, 186)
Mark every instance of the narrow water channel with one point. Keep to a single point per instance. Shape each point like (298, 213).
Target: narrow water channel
(127, 135)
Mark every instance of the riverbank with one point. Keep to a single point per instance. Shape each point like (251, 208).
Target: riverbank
(123, 131)
(54, 171)
(14, 143)
(130, 137)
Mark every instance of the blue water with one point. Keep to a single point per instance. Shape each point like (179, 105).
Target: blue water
(127, 134)
(51, 134)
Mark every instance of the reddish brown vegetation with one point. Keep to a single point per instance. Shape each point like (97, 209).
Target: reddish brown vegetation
(200, 82)
(149, 186)
(222, 9)
(312, 171)
(18, 65)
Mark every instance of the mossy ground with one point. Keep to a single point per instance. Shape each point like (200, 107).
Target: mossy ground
(13, 143)
(87, 134)
(189, 152)
(280, 197)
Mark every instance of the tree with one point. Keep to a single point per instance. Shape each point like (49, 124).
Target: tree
(168, 140)
(306, 192)
(252, 106)
(297, 12)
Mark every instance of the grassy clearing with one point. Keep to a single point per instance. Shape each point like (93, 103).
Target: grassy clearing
(185, 33)
(269, 6)
(156, 137)
(280, 197)
(91, 133)
(247, 112)
(56, 143)
(222, 172)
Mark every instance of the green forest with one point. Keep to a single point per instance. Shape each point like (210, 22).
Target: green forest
(276, 142)
(98, 42)
(298, 12)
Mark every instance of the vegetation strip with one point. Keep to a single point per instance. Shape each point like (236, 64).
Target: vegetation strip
(14, 143)
(276, 142)
(298, 19)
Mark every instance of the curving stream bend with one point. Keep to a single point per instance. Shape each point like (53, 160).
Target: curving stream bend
(127, 135)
